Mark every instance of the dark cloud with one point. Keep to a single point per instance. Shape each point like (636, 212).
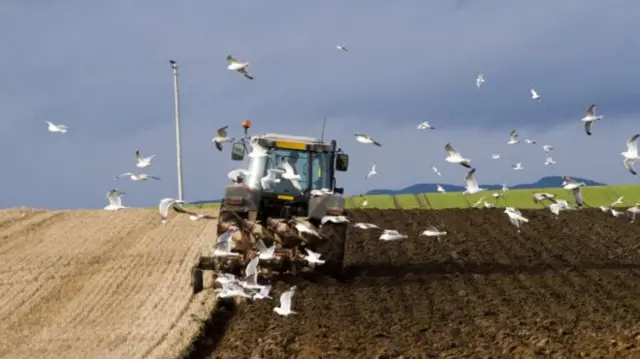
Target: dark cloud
(103, 69)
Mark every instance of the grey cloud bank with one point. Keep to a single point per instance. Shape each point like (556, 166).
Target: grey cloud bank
(103, 69)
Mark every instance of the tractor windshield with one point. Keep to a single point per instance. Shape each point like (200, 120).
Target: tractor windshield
(299, 160)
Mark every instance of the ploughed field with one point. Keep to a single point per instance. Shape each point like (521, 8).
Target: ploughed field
(565, 287)
(99, 284)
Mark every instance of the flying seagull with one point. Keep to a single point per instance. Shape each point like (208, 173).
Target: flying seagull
(513, 138)
(285, 302)
(241, 67)
(479, 80)
(221, 137)
(238, 175)
(549, 161)
(631, 154)
(222, 248)
(534, 95)
(517, 166)
(436, 170)
(531, 142)
(342, 48)
(453, 156)
(115, 200)
(362, 138)
(312, 257)
(425, 126)
(547, 148)
(471, 183)
(432, 231)
(142, 162)
(163, 207)
(56, 128)
(495, 156)
(137, 176)
(264, 252)
(372, 171)
(590, 117)
(392, 235)
(515, 216)
(440, 189)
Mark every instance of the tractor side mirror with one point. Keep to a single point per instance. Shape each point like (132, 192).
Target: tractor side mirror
(342, 162)
(237, 151)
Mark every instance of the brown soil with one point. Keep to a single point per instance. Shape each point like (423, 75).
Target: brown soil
(561, 288)
(99, 284)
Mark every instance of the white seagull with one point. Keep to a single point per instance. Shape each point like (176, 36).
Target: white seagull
(440, 189)
(222, 248)
(436, 170)
(425, 126)
(432, 231)
(517, 166)
(266, 253)
(515, 216)
(115, 200)
(163, 207)
(269, 181)
(263, 293)
(590, 117)
(363, 138)
(290, 174)
(250, 280)
(531, 142)
(231, 290)
(241, 67)
(334, 219)
(257, 150)
(631, 154)
(471, 183)
(495, 156)
(534, 95)
(513, 138)
(57, 128)
(372, 171)
(285, 302)
(221, 137)
(363, 225)
(549, 161)
(312, 257)
(391, 235)
(547, 148)
(342, 48)
(479, 80)
(453, 156)
(142, 162)
(304, 228)
(137, 176)
(633, 212)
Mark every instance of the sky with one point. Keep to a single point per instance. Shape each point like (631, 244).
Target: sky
(102, 68)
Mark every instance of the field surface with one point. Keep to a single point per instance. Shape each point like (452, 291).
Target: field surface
(98, 284)
(594, 196)
(561, 288)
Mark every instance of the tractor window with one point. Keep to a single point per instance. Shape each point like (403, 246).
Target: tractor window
(320, 170)
(299, 160)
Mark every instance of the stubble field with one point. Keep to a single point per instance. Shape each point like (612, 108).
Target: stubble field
(98, 284)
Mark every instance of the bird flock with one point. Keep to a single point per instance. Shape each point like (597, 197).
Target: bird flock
(248, 287)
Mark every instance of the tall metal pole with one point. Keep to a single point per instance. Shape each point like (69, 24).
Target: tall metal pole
(176, 105)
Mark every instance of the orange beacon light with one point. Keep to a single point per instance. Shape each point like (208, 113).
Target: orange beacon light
(246, 124)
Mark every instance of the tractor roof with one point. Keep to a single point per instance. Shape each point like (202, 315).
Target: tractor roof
(303, 139)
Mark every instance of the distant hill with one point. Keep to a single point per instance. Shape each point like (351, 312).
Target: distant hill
(544, 182)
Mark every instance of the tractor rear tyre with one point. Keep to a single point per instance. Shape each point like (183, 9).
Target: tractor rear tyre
(332, 251)
(197, 281)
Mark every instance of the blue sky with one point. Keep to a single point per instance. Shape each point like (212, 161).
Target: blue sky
(102, 69)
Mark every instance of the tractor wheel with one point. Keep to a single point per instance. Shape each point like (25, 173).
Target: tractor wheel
(197, 281)
(332, 251)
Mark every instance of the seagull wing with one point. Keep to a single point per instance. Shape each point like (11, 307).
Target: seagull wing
(632, 146)
(628, 164)
(232, 60)
(470, 180)
(222, 131)
(252, 266)
(113, 196)
(163, 206)
(587, 128)
(577, 196)
(591, 111)
(513, 135)
(452, 152)
(286, 298)
(138, 155)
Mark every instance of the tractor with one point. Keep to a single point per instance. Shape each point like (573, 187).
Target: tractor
(289, 180)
